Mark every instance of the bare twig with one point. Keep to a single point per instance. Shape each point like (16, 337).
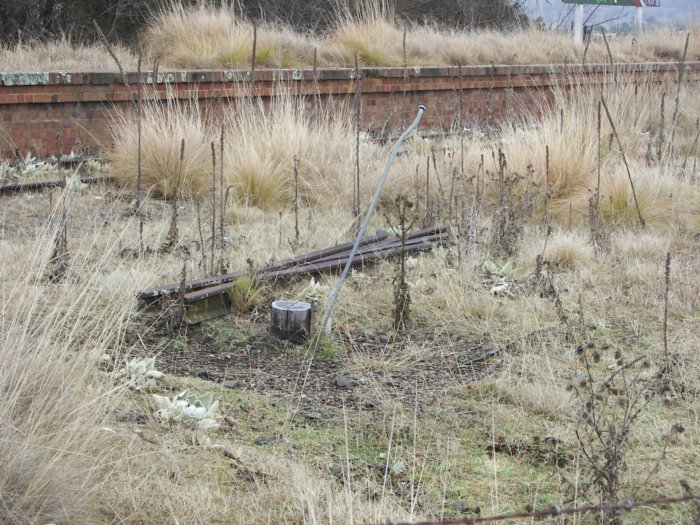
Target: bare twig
(255, 51)
(662, 128)
(546, 185)
(222, 237)
(597, 184)
(681, 72)
(667, 286)
(624, 160)
(585, 51)
(172, 239)
(109, 49)
(213, 205)
(691, 151)
(610, 55)
(296, 200)
(358, 124)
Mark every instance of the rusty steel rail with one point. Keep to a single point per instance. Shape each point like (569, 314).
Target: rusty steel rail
(153, 295)
(66, 161)
(211, 302)
(383, 248)
(41, 184)
(362, 257)
(324, 253)
(365, 256)
(207, 298)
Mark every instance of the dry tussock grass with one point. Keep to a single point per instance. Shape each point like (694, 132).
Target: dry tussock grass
(63, 55)
(260, 154)
(370, 30)
(210, 36)
(261, 143)
(54, 399)
(565, 249)
(568, 127)
(663, 199)
(164, 127)
(530, 382)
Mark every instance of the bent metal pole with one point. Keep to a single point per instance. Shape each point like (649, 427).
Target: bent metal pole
(328, 319)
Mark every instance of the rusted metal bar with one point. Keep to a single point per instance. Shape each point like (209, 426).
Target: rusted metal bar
(325, 252)
(360, 259)
(205, 293)
(388, 246)
(212, 302)
(152, 295)
(206, 304)
(206, 298)
(432, 232)
(62, 161)
(38, 185)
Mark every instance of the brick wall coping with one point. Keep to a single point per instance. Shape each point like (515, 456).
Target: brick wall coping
(54, 78)
(73, 111)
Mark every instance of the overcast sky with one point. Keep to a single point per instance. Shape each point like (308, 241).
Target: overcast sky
(671, 11)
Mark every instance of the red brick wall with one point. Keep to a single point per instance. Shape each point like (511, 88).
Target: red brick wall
(50, 112)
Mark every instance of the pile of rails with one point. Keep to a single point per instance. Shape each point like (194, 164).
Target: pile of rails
(207, 298)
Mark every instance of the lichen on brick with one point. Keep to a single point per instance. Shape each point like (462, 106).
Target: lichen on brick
(24, 79)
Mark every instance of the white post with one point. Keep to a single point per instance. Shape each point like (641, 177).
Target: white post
(639, 19)
(578, 25)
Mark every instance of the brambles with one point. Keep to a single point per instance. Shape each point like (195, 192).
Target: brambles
(610, 406)
(404, 221)
(511, 211)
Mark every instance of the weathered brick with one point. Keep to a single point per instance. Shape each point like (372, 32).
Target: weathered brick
(46, 111)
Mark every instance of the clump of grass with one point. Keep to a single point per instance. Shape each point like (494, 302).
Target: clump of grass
(63, 54)
(208, 36)
(367, 30)
(53, 452)
(645, 245)
(568, 127)
(217, 36)
(164, 128)
(568, 250)
(245, 294)
(435, 45)
(260, 161)
(663, 199)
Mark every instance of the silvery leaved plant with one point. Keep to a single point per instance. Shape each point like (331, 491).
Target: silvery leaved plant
(187, 407)
(141, 374)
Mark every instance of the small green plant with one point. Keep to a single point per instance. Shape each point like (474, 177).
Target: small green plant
(315, 291)
(141, 374)
(245, 294)
(327, 348)
(187, 407)
(180, 343)
(502, 278)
